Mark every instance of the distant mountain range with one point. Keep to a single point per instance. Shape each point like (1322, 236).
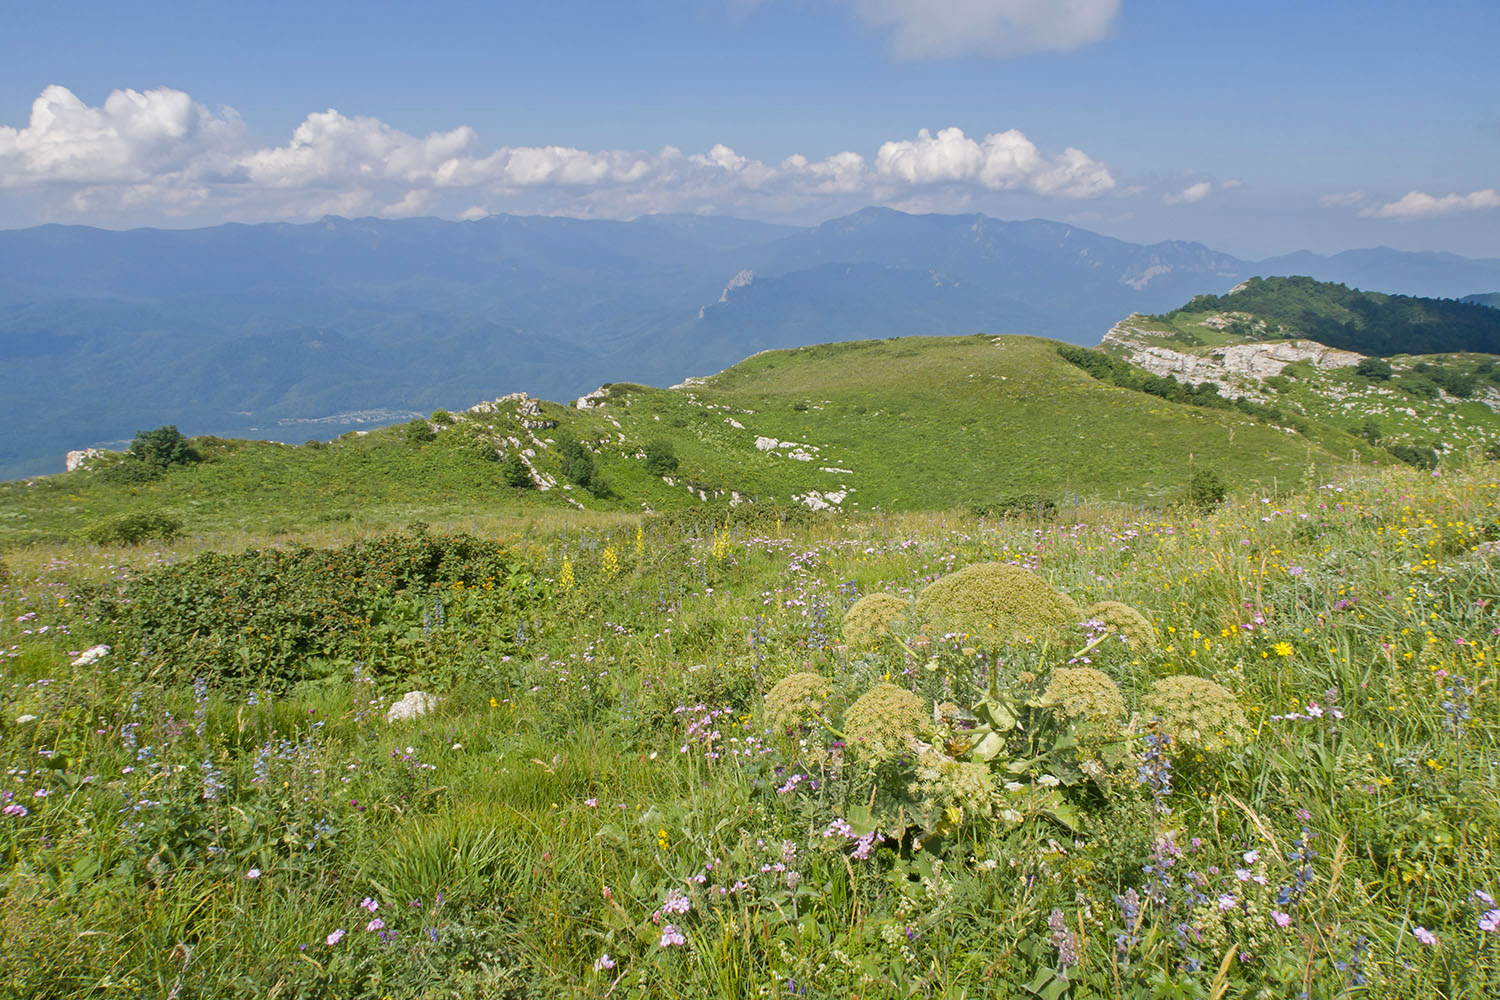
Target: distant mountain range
(293, 331)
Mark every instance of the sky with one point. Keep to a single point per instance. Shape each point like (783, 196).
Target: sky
(1257, 129)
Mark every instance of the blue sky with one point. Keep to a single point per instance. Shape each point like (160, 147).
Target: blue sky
(1256, 129)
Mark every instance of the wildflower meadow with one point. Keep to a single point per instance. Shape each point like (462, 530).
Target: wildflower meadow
(1252, 751)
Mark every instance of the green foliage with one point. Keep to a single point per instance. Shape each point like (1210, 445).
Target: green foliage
(997, 603)
(578, 465)
(1207, 489)
(133, 529)
(1417, 457)
(1374, 368)
(1125, 375)
(272, 617)
(418, 432)
(442, 417)
(1018, 505)
(1196, 713)
(661, 458)
(513, 472)
(165, 446)
(869, 619)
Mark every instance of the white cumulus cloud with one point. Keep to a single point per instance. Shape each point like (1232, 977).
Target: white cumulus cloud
(135, 136)
(1418, 203)
(143, 156)
(938, 29)
(1001, 161)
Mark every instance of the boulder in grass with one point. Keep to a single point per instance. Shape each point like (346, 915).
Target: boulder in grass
(91, 655)
(412, 705)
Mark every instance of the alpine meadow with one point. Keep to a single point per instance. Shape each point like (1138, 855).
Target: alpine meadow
(865, 500)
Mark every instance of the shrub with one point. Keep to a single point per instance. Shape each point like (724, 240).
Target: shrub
(262, 616)
(796, 702)
(578, 465)
(878, 723)
(1196, 714)
(513, 472)
(1084, 693)
(661, 460)
(132, 529)
(442, 417)
(1421, 458)
(1126, 622)
(162, 447)
(1206, 490)
(418, 432)
(997, 603)
(1018, 505)
(869, 620)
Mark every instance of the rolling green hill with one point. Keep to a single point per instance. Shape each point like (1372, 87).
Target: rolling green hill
(899, 424)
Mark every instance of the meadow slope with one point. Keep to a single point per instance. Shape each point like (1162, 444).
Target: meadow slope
(616, 794)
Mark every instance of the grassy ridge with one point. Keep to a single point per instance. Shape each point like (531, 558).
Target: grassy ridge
(596, 807)
(918, 423)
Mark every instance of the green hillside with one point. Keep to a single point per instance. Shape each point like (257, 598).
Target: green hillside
(1279, 347)
(900, 424)
(1349, 319)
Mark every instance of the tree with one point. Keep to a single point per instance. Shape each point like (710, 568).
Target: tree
(162, 447)
(1374, 368)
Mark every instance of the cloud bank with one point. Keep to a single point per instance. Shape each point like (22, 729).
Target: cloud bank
(1415, 204)
(159, 152)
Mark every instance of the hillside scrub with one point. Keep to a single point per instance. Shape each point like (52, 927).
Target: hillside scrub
(640, 777)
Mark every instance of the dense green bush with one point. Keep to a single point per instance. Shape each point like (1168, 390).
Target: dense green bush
(265, 616)
(578, 465)
(1374, 368)
(513, 472)
(1206, 490)
(661, 460)
(162, 447)
(1421, 458)
(1018, 505)
(150, 454)
(418, 431)
(132, 529)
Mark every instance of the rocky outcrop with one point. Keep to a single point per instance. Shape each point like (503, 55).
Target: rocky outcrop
(80, 459)
(1227, 367)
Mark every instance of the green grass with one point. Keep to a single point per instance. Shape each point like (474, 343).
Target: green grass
(579, 778)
